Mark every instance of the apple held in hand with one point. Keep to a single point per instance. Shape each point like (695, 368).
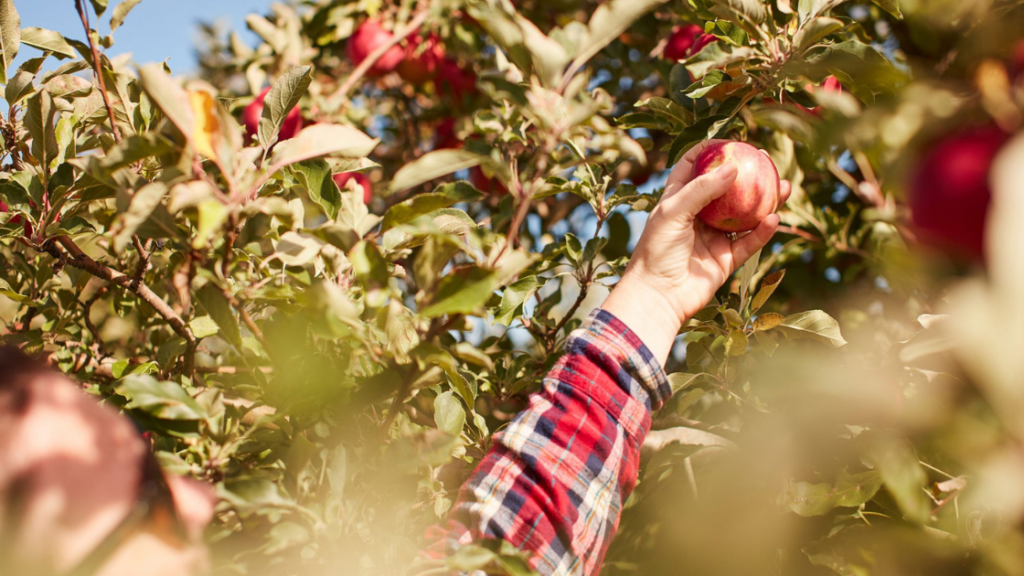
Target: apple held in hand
(950, 193)
(365, 40)
(355, 181)
(254, 111)
(754, 194)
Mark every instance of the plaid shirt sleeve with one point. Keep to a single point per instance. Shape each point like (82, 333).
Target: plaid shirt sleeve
(555, 480)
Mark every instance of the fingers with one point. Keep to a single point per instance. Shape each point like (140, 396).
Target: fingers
(701, 191)
(785, 189)
(682, 172)
(745, 247)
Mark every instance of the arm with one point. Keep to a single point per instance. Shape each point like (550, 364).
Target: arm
(555, 480)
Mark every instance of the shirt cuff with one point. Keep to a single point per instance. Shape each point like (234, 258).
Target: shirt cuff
(647, 382)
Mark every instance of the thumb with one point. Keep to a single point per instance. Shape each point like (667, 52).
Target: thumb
(701, 191)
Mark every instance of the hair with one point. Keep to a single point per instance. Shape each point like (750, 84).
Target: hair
(16, 367)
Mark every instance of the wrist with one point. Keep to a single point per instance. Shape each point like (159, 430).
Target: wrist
(647, 312)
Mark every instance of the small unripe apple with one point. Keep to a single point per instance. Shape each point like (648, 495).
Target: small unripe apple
(680, 41)
(422, 59)
(454, 80)
(950, 193)
(254, 111)
(365, 40)
(754, 194)
(484, 184)
(354, 181)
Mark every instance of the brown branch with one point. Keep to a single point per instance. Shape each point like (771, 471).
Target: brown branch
(144, 255)
(342, 92)
(246, 318)
(96, 68)
(82, 261)
(88, 321)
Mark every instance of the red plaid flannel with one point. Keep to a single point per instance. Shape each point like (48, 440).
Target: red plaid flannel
(556, 478)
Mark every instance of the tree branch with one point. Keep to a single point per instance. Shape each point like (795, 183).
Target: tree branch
(82, 261)
(97, 70)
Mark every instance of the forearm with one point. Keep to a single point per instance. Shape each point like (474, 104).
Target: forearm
(557, 477)
(638, 306)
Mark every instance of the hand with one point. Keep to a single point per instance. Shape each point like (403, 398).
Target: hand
(680, 263)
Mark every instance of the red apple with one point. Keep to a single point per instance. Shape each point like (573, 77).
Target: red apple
(254, 111)
(680, 41)
(754, 195)
(1017, 60)
(484, 184)
(831, 84)
(365, 40)
(354, 181)
(444, 135)
(949, 191)
(422, 59)
(701, 41)
(453, 79)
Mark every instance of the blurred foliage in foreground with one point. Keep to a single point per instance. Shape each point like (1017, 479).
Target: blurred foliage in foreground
(325, 299)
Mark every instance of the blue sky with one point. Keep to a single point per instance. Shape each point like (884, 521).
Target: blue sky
(153, 31)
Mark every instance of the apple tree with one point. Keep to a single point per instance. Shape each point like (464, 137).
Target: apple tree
(325, 268)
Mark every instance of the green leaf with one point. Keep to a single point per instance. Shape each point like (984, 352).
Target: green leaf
(448, 413)
(40, 120)
(121, 12)
(609, 21)
(808, 499)
(814, 30)
(317, 181)
(668, 109)
(47, 41)
(768, 321)
(169, 97)
(203, 327)
(143, 203)
(434, 165)
(736, 344)
(422, 204)
(6, 290)
(746, 274)
(322, 140)
(814, 324)
(548, 56)
(702, 87)
(752, 10)
(702, 130)
(20, 86)
(212, 216)
(282, 97)
(368, 264)
(682, 380)
(165, 400)
(10, 35)
(901, 472)
(890, 6)
(100, 6)
(462, 292)
(216, 304)
(514, 297)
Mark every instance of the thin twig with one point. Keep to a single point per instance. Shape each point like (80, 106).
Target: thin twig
(97, 70)
(246, 318)
(144, 255)
(82, 261)
(341, 93)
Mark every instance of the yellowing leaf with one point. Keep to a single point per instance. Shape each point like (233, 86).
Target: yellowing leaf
(206, 132)
(767, 321)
